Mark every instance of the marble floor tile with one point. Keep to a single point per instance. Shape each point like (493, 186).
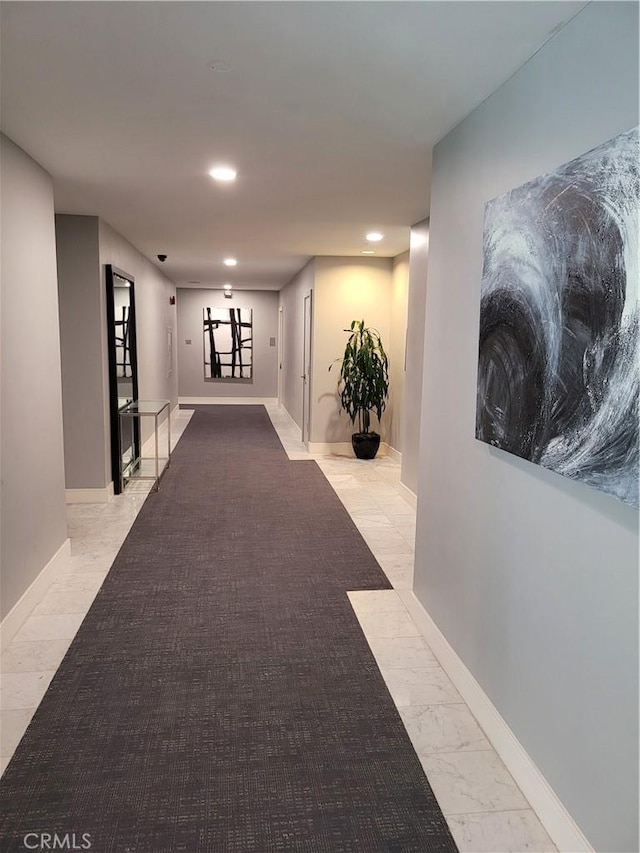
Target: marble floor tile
(78, 581)
(34, 656)
(427, 686)
(90, 545)
(380, 489)
(365, 520)
(91, 511)
(394, 504)
(341, 481)
(467, 782)
(376, 601)
(387, 536)
(405, 528)
(13, 725)
(23, 689)
(443, 728)
(82, 527)
(500, 832)
(54, 627)
(402, 653)
(354, 500)
(385, 549)
(397, 562)
(400, 578)
(91, 563)
(66, 601)
(394, 624)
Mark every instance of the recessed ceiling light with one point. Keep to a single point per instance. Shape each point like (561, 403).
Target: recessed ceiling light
(374, 236)
(230, 262)
(367, 252)
(223, 173)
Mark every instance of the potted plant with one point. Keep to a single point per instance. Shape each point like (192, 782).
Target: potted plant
(363, 385)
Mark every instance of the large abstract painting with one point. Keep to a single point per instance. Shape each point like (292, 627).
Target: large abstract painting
(228, 344)
(559, 368)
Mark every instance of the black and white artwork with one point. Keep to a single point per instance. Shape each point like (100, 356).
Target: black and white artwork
(228, 344)
(121, 313)
(559, 364)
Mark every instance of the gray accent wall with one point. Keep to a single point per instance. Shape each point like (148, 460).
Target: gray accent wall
(82, 317)
(417, 298)
(86, 244)
(154, 317)
(532, 578)
(264, 304)
(33, 523)
(291, 301)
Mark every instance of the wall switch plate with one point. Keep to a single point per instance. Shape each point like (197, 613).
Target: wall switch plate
(272, 342)
(188, 341)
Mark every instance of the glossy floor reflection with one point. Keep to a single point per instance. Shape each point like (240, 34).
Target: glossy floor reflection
(483, 806)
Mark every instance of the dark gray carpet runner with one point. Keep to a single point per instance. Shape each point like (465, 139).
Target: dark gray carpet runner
(220, 695)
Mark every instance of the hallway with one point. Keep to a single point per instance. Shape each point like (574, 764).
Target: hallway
(484, 809)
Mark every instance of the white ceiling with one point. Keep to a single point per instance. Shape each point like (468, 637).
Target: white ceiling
(329, 111)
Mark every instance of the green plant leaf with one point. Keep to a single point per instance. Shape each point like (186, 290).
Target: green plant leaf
(363, 384)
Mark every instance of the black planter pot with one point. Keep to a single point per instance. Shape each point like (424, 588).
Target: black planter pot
(365, 444)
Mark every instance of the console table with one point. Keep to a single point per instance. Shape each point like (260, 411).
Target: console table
(147, 468)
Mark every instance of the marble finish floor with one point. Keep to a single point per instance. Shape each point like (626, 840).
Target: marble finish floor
(484, 808)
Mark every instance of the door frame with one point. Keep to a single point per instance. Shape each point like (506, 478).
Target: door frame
(280, 353)
(307, 364)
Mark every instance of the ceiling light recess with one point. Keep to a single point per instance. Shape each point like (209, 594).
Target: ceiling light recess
(224, 174)
(230, 262)
(374, 237)
(367, 252)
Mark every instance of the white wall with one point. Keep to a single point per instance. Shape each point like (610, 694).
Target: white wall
(417, 297)
(532, 578)
(396, 349)
(291, 301)
(345, 289)
(264, 304)
(32, 493)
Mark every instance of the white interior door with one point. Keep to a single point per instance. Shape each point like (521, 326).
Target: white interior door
(306, 368)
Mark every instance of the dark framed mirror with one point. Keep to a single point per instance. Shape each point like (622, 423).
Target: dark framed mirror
(123, 371)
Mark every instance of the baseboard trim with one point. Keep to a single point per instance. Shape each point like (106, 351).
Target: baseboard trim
(330, 448)
(410, 497)
(345, 448)
(282, 410)
(391, 452)
(89, 496)
(32, 596)
(228, 401)
(557, 821)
